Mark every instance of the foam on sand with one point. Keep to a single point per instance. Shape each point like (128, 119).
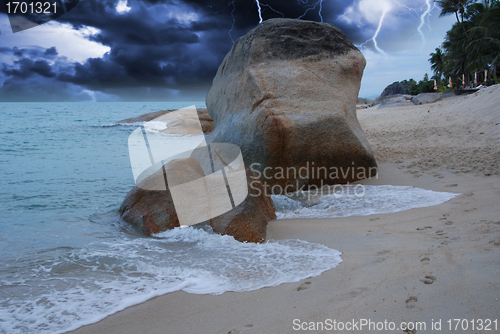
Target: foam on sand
(357, 200)
(84, 285)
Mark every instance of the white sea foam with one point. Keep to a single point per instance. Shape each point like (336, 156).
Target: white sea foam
(357, 200)
(82, 286)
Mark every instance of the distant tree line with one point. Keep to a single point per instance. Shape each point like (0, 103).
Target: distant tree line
(423, 86)
(411, 87)
(471, 49)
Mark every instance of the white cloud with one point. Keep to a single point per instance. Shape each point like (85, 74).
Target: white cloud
(366, 12)
(68, 42)
(122, 7)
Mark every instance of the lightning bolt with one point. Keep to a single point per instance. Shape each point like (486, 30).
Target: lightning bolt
(424, 15)
(260, 10)
(314, 5)
(274, 10)
(232, 16)
(232, 3)
(320, 3)
(234, 21)
(375, 35)
(374, 38)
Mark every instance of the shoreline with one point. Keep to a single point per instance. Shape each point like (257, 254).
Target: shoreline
(418, 265)
(384, 259)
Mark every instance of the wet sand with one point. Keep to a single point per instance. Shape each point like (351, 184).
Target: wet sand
(421, 265)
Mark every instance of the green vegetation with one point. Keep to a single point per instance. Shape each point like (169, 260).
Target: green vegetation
(471, 46)
(425, 85)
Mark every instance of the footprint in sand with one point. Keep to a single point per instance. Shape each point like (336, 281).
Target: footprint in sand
(495, 242)
(429, 279)
(373, 219)
(425, 260)
(440, 232)
(489, 222)
(356, 292)
(304, 286)
(410, 302)
(237, 331)
(448, 223)
(423, 228)
(410, 331)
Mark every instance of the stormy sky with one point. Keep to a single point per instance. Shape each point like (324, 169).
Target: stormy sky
(169, 50)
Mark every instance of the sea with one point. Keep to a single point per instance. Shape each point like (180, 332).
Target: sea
(67, 259)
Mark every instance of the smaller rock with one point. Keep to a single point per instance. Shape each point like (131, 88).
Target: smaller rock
(151, 211)
(207, 124)
(457, 92)
(248, 221)
(424, 98)
(395, 101)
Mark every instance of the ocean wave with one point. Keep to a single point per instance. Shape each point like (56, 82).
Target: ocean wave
(356, 200)
(79, 286)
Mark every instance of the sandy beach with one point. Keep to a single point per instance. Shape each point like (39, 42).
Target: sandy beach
(426, 265)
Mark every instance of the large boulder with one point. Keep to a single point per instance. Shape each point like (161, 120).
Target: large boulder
(286, 94)
(149, 206)
(396, 88)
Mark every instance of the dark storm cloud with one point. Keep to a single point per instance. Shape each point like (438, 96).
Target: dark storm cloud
(14, 51)
(146, 51)
(28, 67)
(50, 52)
(160, 46)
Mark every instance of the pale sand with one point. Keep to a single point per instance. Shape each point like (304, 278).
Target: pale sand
(452, 146)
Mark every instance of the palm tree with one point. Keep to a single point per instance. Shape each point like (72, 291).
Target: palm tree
(448, 7)
(437, 62)
(454, 6)
(485, 38)
(455, 49)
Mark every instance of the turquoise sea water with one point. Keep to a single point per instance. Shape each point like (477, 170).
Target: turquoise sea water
(67, 259)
